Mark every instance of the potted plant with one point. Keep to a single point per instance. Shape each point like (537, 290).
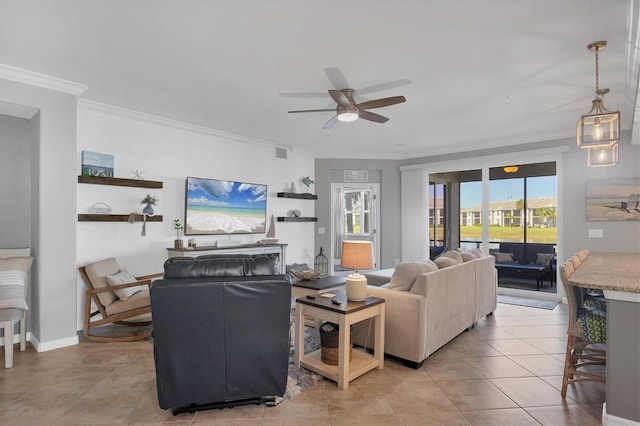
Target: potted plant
(177, 225)
(150, 201)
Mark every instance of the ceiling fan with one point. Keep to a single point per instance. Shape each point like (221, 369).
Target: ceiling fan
(347, 109)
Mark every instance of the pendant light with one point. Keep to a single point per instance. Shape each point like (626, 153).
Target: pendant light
(599, 128)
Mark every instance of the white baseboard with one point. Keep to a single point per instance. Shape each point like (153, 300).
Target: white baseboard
(609, 420)
(45, 346)
(54, 344)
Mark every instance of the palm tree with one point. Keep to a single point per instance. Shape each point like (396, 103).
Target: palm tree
(520, 207)
(547, 213)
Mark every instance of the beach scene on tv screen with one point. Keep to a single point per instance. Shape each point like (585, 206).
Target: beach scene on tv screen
(225, 207)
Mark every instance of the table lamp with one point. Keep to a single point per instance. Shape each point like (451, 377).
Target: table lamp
(357, 255)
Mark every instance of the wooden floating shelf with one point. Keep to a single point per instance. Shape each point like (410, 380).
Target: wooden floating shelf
(297, 219)
(116, 218)
(99, 180)
(294, 195)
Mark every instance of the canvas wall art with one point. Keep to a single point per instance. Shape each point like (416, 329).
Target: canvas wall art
(97, 164)
(613, 199)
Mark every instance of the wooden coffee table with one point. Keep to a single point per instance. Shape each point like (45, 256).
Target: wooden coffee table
(345, 314)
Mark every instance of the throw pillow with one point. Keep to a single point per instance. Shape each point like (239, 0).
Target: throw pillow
(466, 257)
(453, 255)
(544, 259)
(445, 262)
(503, 257)
(124, 277)
(406, 274)
(477, 253)
(13, 281)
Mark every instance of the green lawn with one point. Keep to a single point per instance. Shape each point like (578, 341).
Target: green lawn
(496, 233)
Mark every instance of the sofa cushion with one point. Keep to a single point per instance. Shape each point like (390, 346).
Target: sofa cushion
(221, 265)
(445, 262)
(503, 257)
(453, 254)
(406, 274)
(124, 277)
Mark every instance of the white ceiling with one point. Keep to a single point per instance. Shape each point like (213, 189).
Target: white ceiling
(482, 73)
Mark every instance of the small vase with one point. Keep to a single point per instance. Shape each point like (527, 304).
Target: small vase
(148, 209)
(177, 244)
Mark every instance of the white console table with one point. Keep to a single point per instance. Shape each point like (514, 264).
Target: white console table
(279, 249)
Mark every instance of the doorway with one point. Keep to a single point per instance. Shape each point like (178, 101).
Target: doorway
(354, 216)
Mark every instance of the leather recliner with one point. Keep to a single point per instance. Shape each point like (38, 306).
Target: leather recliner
(221, 331)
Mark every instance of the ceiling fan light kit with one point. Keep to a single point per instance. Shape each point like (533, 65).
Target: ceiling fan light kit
(347, 113)
(598, 130)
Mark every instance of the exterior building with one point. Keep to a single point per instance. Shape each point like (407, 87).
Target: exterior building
(510, 213)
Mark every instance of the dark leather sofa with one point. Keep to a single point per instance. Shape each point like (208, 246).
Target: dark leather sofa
(220, 331)
(526, 254)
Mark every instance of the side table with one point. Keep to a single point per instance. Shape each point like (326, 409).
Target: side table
(301, 288)
(344, 315)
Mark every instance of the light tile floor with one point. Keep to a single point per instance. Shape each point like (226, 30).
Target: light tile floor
(505, 371)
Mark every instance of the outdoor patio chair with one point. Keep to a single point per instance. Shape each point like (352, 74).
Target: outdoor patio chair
(119, 298)
(584, 358)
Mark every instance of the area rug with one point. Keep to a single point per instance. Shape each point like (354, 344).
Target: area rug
(523, 301)
(300, 379)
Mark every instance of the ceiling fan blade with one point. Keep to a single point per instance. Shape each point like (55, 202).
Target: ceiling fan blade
(385, 86)
(339, 97)
(311, 110)
(372, 117)
(379, 103)
(304, 95)
(336, 78)
(331, 122)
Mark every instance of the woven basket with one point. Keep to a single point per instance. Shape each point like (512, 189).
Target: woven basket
(329, 335)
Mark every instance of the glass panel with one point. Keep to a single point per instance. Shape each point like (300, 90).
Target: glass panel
(437, 213)
(506, 210)
(541, 209)
(357, 212)
(470, 213)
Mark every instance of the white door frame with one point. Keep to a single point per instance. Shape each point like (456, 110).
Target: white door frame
(375, 212)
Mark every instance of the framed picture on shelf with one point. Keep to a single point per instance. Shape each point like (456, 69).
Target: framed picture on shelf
(97, 164)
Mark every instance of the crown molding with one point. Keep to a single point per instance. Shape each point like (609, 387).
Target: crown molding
(32, 78)
(177, 125)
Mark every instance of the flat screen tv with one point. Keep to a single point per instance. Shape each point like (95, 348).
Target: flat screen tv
(223, 207)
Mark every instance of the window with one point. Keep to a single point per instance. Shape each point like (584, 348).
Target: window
(437, 213)
(357, 212)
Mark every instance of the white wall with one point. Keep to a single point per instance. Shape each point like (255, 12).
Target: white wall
(169, 152)
(53, 222)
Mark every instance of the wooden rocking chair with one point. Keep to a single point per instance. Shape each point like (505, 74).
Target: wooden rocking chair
(134, 310)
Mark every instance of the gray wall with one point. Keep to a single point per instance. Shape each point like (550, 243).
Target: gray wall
(15, 178)
(623, 236)
(618, 236)
(53, 211)
(330, 171)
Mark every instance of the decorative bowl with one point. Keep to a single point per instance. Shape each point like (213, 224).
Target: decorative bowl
(307, 274)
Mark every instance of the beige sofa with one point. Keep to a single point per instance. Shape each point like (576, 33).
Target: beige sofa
(438, 306)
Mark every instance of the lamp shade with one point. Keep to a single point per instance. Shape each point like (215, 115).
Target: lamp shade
(603, 157)
(357, 255)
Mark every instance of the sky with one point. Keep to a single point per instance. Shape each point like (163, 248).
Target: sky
(507, 189)
(213, 192)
